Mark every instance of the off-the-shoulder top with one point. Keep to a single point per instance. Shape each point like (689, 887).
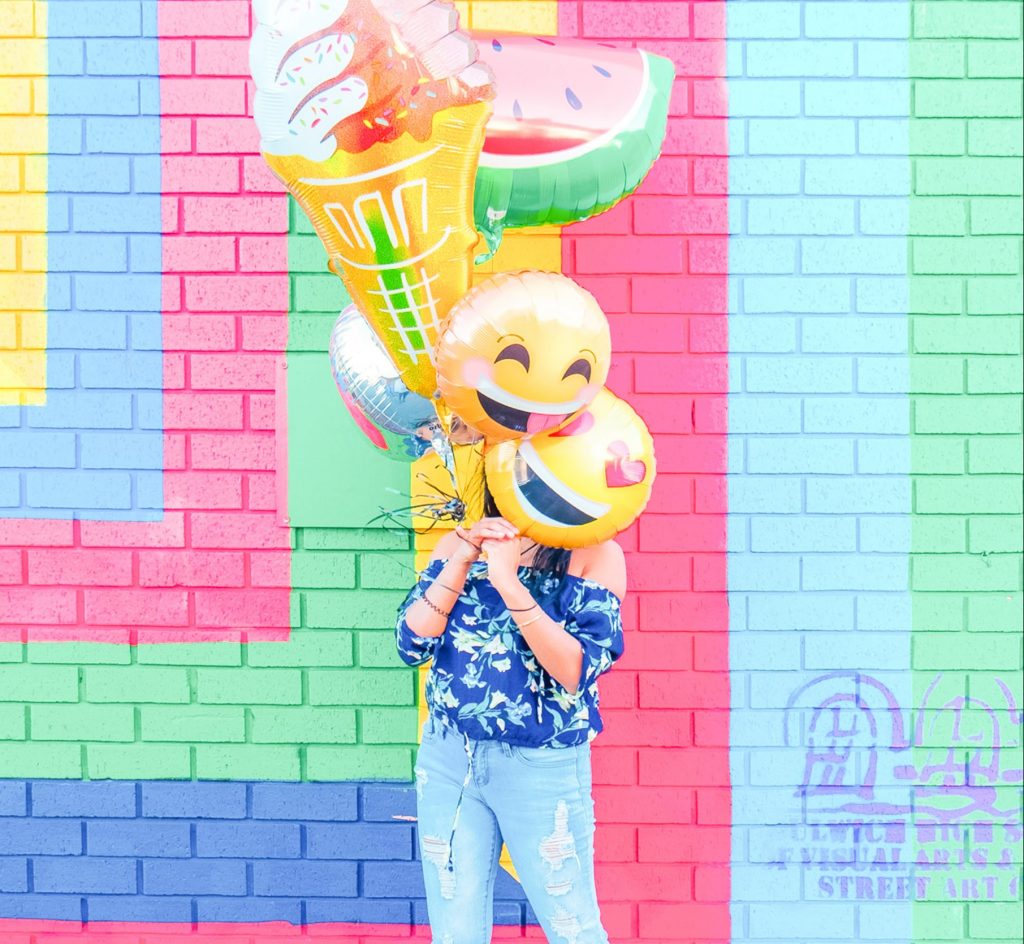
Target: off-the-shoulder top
(485, 681)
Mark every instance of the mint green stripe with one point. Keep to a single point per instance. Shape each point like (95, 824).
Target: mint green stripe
(965, 303)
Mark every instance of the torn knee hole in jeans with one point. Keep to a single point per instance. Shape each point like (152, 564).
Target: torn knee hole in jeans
(566, 924)
(559, 845)
(556, 849)
(436, 850)
(558, 888)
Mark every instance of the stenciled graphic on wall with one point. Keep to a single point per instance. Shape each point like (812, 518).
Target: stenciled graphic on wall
(952, 831)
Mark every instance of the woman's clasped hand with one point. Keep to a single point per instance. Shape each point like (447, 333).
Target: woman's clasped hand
(496, 541)
(485, 529)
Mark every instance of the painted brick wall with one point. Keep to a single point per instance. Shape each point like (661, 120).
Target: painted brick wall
(141, 489)
(966, 371)
(851, 201)
(656, 263)
(109, 750)
(874, 489)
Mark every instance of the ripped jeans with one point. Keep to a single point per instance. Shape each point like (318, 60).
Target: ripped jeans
(473, 794)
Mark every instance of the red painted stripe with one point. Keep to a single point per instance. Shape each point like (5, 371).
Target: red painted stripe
(661, 766)
(30, 931)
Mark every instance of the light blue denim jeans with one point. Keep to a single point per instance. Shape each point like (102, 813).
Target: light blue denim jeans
(473, 794)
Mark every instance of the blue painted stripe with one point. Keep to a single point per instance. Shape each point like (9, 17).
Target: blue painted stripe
(238, 851)
(818, 572)
(104, 361)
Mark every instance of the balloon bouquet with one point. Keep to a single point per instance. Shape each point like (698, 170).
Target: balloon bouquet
(403, 139)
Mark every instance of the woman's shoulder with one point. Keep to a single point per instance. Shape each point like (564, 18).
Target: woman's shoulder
(603, 563)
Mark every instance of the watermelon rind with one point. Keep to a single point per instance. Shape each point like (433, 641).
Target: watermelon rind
(574, 184)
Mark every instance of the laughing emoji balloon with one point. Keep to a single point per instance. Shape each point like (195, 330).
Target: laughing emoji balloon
(579, 484)
(521, 353)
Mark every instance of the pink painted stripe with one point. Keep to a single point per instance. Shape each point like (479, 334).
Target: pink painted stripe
(30, 931)
(662, 789)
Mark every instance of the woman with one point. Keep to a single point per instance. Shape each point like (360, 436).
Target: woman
(519, 634)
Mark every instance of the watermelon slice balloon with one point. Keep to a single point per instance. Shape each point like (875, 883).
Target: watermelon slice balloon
(576, 127)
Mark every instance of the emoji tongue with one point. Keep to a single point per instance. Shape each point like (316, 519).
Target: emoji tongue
(538, 422)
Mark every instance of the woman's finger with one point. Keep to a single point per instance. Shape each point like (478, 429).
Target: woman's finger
(467, 536)
(494, 527)
(497, 534)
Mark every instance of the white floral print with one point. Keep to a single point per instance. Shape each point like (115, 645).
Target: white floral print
(486, 682)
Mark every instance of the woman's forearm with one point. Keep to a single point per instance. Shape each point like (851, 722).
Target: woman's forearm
(556, 649)
(421, 617)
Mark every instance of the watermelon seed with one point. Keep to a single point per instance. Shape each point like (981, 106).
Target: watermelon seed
(570, 97)
(517, 111)
(495, 45)
(603, 72)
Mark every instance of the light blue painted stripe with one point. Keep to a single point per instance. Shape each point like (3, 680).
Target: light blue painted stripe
(104, 362)
(819, 461)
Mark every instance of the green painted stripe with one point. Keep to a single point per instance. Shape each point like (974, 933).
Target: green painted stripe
(965, 307)
(358, 702)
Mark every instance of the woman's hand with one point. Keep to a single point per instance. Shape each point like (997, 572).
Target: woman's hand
(502, 561)
(472, 538)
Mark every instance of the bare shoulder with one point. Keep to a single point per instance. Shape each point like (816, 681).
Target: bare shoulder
(445, 546)
(603, 563)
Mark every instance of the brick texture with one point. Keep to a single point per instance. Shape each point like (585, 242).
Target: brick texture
(212, 690)
(657, 264)
(166, 336)
(965, 324)
(851, 197)
(875, 263)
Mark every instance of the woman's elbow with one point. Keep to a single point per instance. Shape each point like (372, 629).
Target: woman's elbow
(413, 659)
(412, 648)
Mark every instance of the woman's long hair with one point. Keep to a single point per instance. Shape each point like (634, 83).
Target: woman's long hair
(547, 561)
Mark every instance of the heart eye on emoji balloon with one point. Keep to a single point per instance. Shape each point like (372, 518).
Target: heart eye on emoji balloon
(522, 352)
(579, 484)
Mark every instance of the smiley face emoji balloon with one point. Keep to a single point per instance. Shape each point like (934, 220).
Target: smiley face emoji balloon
(522, 352)
(579, 484)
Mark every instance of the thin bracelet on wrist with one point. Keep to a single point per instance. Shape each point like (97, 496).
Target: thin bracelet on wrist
(525, 609)
(451, 589)
(532, 619)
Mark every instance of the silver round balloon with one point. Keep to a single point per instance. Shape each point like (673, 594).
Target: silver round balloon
(401, 423)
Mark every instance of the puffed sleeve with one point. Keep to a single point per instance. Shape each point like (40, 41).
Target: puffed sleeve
(594, 617)
(413, 649)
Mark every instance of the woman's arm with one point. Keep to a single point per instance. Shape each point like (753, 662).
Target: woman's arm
(429, 621)
(427, 616)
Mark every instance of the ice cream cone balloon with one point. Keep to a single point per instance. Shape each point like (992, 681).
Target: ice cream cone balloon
(372, 114)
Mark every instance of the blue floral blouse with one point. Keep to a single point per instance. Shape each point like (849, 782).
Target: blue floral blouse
(486, 682)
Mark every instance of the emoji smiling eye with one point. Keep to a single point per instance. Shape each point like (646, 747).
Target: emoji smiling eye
(580, 367)
(517, 353)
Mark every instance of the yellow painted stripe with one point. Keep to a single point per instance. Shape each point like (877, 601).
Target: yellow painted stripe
(539, 248)
(23, 148)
